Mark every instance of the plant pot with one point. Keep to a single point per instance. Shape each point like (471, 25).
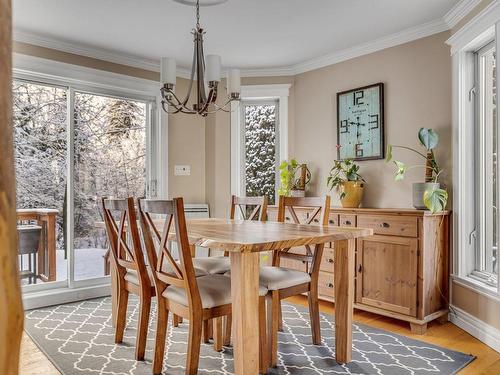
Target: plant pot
(298, 193)
(353, 193)
(418, 193)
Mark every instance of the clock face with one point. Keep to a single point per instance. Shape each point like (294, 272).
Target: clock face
(360, 123)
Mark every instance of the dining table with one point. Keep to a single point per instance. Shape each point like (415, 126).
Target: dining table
(244, 241)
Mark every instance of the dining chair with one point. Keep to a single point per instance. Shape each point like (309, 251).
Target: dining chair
(131, 273)
(250, 208)
(284, 282)
(178, 290)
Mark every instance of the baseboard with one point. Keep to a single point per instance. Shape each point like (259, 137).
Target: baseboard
(63, 295)
(477, 328)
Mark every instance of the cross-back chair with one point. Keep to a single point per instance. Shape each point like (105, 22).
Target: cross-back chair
(283, 282)
(177, 288)
(131, 272)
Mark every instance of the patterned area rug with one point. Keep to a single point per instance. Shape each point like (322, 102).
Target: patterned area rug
(78, 339)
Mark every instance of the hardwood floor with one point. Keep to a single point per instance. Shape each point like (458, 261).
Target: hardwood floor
(33, 361)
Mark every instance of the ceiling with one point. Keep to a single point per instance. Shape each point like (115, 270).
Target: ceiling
(248, 34)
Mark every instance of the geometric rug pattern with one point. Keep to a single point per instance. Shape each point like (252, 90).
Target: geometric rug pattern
(78, 339)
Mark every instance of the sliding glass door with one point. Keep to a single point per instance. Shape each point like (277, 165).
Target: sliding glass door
(109, 160)
(74, 146)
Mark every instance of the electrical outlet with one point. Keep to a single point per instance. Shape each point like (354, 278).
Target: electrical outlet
(182, 170)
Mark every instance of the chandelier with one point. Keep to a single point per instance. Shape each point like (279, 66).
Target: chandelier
(208, 77)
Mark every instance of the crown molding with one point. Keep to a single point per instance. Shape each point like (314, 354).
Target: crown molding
(401, 37)
(459, 11)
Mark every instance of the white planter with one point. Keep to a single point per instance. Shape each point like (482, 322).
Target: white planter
(418, 193)
(298, 193)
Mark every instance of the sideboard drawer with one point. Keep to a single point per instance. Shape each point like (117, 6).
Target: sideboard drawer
(325, 284)
(333, 219)
(347, 220)
(390, 225)
(327, 260)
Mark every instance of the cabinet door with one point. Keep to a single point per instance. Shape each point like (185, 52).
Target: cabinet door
(387, 273)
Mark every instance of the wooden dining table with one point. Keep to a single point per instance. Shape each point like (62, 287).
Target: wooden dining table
(244, 240)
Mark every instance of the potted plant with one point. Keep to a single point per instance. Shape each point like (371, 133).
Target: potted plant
(344, 177)
(292, 184)
(428, 194)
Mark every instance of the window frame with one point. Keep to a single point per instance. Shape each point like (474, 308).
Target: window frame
(254, 102)
(87, 80)
(484, 162)
(279, 92)
(482, 29)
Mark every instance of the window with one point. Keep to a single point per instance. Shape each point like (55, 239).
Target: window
(40, 153)
(259, 139)
(487, 186)
(261, 148)
(110, 160)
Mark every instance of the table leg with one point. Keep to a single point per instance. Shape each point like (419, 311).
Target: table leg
(344, 299)
(245, 298)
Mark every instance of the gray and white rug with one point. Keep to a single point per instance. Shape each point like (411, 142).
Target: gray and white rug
(78, 339)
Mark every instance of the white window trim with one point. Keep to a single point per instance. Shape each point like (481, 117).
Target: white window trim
(98, 82)
(279, 92)
(482, 28)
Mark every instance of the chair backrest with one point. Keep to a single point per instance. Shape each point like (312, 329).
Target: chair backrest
(259, 205)
(166, 270)
(319, 215)
(123, 235)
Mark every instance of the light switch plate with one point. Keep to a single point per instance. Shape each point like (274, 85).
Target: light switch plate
(182, 170)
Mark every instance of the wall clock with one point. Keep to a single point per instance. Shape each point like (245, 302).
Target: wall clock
(360, 123)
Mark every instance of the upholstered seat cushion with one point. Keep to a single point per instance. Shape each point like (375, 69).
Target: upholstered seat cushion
(213, 265)
(275, 278)
(215, 290)
(131, 275)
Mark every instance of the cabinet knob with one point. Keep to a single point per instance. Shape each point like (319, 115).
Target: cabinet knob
(331, 221)
(330, 260)
(385, 225)
(316, 220)
(329, 285)
(348, 222)
(360, 268)
(287, 218)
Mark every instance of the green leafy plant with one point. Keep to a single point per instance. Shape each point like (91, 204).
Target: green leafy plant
(288, 179)
(343, 170)
(435, 200)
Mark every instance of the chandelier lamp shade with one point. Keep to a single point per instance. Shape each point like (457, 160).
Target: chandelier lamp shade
(205, 74)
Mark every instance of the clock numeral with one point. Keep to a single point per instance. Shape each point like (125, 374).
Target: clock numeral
(357, 97)
(344, 126)
(373, 121)
(359, 150)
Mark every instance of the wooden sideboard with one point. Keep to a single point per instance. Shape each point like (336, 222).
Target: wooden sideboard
(402, 270)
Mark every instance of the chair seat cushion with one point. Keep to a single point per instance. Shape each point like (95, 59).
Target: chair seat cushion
(213, 265)
(131, 275)
(215, 290)
(275, 278)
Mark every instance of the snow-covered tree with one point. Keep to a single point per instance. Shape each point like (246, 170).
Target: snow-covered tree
(260, 146)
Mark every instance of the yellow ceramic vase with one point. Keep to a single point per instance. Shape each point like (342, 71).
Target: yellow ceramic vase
(353, 193)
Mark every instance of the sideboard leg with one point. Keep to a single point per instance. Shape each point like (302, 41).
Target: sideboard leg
(418, 329)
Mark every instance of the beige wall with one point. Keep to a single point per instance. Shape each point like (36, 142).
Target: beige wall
(417, 84)
(186, 133)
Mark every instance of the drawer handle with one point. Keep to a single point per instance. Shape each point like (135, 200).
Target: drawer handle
(329, 285)
(385, 225)
(330, 260)
(348, 222)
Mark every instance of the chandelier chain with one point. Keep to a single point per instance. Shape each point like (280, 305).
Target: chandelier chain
(197, 14)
